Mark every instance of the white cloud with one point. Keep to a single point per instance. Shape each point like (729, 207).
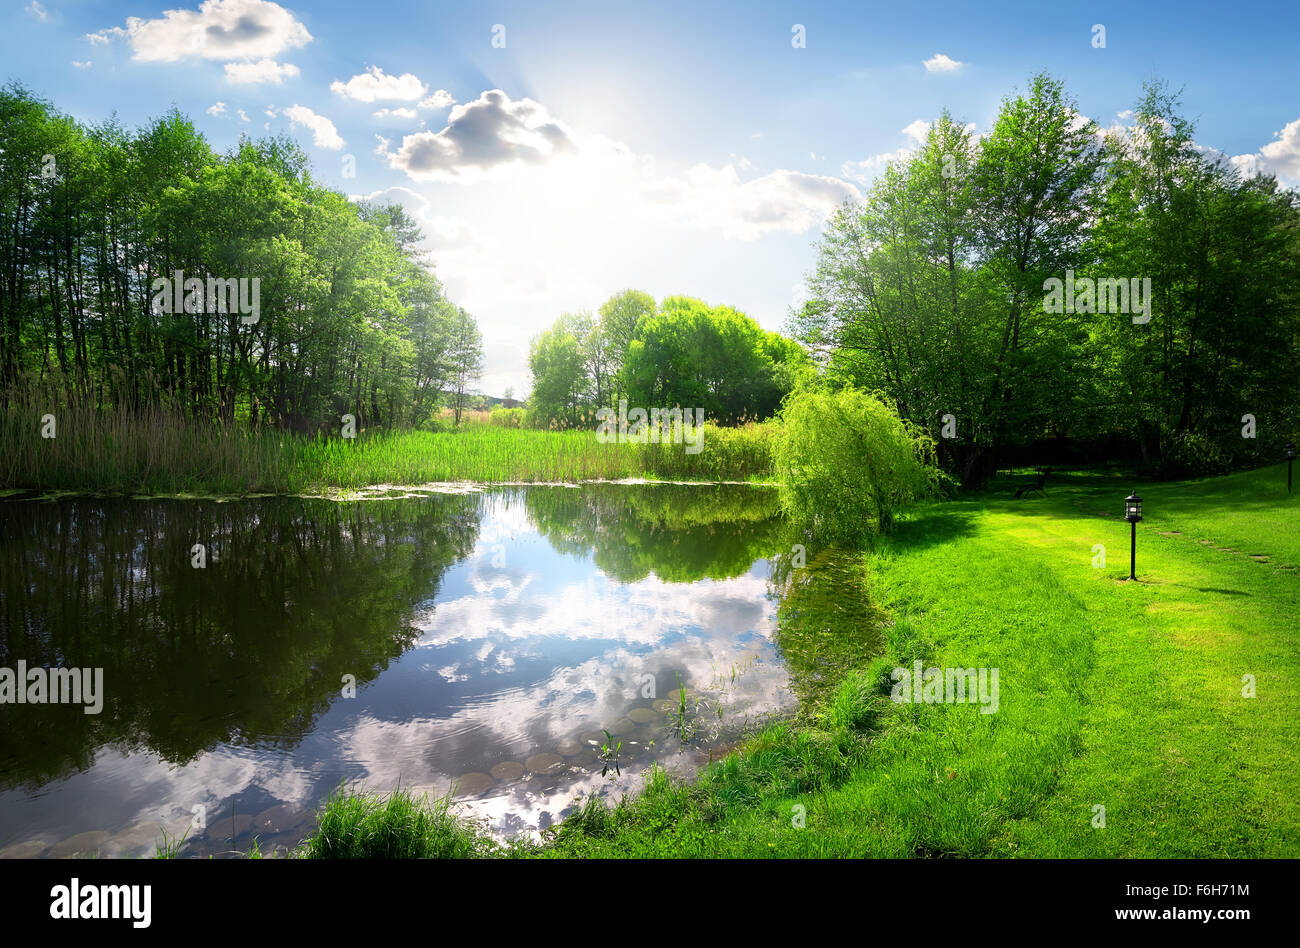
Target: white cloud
(38, 11)
(260, 72)
(324, 134)
(416, 204)
(1078, 121)
(1280, 157)
(449, 233)
(941, 63)
(401, 113)
(494, 135)
(219, 29)
(867, 169)
(442, 99)
(490, 132)
(717, 199)
(917, 131)
(243, 116)
(374, 85)
(82, 64)
(217, 108)
(440, 232)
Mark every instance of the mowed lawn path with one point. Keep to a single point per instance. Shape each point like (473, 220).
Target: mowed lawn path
(1113, 694)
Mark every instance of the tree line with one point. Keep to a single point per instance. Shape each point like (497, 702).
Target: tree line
(992, 287)
(350, 317)
(680, 352)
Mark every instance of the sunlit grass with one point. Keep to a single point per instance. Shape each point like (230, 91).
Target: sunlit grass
(490, 453)
(397, 825)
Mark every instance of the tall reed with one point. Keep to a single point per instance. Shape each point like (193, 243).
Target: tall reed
(157, 451)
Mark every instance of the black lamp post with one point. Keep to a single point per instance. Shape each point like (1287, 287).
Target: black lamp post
(1133, 513)
(1290, 456)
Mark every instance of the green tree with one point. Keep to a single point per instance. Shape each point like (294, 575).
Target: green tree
(351, 319)
(848, 463)
(619, 316)
(559, 368)
(1221, 255)
(465, 358)
(716, 358)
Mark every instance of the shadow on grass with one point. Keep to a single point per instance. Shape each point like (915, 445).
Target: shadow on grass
(936, 524)
(1212, 589)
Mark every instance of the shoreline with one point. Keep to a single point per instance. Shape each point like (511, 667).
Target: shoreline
(382, 491)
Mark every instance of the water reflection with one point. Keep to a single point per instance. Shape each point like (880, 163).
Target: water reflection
(827, 622)
(492, 638)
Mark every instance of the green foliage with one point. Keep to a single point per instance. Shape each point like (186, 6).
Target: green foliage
(508, 417)
(351, 319)
(398, 825)
(847, 463)
(932, 289)
(680, 533)
(710, 357)
(683, 354)
(739, 453)
(464, 360)
(560, 394)
(856, 703)
(1223, 256)
(1186, 453)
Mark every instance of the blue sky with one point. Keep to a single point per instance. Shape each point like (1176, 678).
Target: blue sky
(673, 147)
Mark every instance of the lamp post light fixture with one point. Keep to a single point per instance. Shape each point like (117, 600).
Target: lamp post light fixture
(1133, 513)
(1290, 456)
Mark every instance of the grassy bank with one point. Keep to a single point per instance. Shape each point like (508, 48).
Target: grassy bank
(165, 454)
(1112, 694)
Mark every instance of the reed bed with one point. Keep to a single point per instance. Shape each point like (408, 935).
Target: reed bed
(157, 452)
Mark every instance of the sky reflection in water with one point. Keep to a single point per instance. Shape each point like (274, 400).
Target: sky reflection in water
(494, 636)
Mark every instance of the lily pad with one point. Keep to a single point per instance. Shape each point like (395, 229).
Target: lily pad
(472, 784)
(544, 763)
(507, 770)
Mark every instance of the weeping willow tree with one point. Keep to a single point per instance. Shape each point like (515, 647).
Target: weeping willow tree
(848, 463)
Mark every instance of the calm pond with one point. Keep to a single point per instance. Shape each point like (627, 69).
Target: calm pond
(493, 637)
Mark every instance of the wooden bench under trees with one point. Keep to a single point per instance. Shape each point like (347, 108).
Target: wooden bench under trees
(1024, 490)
